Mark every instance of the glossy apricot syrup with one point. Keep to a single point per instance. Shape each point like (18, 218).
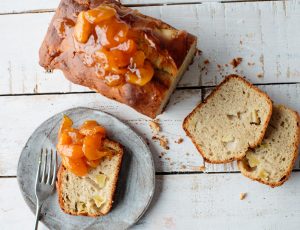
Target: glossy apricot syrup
(81, 149)
(115, 54)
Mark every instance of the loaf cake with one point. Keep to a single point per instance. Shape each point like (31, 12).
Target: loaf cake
(92, 194)
(272, 161)
(118, 52)
(231, 119)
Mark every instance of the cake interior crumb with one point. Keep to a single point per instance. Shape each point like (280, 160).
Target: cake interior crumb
(243, 196)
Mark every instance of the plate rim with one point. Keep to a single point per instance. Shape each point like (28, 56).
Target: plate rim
(152, 192)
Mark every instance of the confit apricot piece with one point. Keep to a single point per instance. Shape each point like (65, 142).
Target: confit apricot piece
(99, 14)
(118, 59)
(140, 76)
(71, 151)
(76, 137)
(91, 127)
(117, 32)
(78, 166)
(93, 163)
(111, 66)
(65, 123)
(64, 139)
(82, 29)
(128, 47)
(112, 32)
(91, 146)
(112, 59)
(105, 153)
(114, 79)
(138, 59)
(100, 154)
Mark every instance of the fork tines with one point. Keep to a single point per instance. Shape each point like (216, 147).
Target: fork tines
(47, 166)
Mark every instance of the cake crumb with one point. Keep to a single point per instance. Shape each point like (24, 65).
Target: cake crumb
(183, 166)
(206, 62)
(179, 141)
(147, 141)
(243, 196)
(154, 125)
(198, 52)
(163, 141)
(161, 154)
(260, 75)
(202, 168)
(236, 62)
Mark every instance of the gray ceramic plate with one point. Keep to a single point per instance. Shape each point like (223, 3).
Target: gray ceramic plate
(135, 186)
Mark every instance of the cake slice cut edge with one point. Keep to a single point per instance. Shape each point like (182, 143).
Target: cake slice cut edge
(231, 119)
(271, 163)
(91, 195)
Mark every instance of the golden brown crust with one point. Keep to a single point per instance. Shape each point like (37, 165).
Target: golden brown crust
(185, 121)
(62, 170)
(289, 170)
(58, 52)
(121, 153)
(58, 187)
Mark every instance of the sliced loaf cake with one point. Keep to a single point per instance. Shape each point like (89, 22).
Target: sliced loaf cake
(91, 195)
(233, 118)
(271, 162)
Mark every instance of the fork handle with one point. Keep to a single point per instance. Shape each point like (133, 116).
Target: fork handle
(37, 215)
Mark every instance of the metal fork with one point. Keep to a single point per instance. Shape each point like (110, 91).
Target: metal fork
(45, 179)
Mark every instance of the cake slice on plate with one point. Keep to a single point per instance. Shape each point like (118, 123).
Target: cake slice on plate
(91, 195)
(88, 175)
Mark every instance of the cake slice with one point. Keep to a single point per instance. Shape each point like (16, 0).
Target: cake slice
(231, 119)
(90, 195)
(272, 161)
(120, 53)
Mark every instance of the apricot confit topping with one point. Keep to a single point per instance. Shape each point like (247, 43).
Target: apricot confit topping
(81, 149)
(118, 60)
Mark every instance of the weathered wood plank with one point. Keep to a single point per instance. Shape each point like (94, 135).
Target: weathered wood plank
(260, 36)
(16, 111)
(192, 202)
(14, 213)
(25, 113)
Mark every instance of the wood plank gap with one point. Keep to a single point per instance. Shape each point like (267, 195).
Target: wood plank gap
(37, 11)
(193, 172)
(256, 84)
(170, 173)
(178, 88)
(164, 4)
(49, 93)
(258, 1)
(40, 11)
(201, 172)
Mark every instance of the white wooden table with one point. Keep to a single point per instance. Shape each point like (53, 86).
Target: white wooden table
(265, 34)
